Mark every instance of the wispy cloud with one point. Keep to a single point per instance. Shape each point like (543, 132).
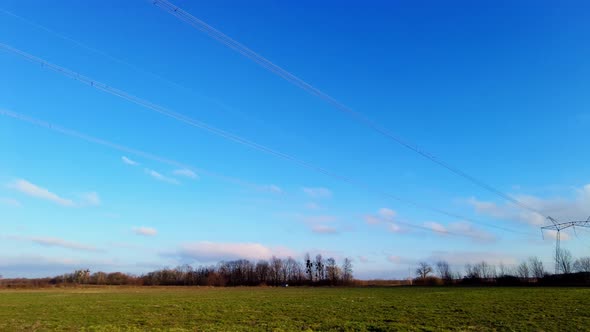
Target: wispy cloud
(323, 229)
(217, 251)
(460, 258)
(321, 224)
(90, 199)
(395, 259)
(185, 172)
(552, 235)
(385, 216)
(10, 202)
(560, 208)
(436, 227)
(33, 190)
(319, 219)
(160, 177)
(273, 188)
(54, 242)
(312, 206)
(129, 161)
(318, 192)
(145, 231)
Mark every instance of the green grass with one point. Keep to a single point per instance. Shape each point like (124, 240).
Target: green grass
(295, 309)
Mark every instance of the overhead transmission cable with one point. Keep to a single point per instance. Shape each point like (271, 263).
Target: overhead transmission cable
(150, 156)
(235, 138)
(357, 116)
(122, 148)
(135, 68)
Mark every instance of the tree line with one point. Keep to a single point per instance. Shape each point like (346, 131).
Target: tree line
(569, 271)
(316, 271)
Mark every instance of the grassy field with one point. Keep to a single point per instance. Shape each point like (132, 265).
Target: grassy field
(295, 309)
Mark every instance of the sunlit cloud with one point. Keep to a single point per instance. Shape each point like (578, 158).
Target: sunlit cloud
(33, 190)
(384, 216)
(54, 242)
(312, 206)
(273, 188)
(218, 251)
(323, 229)
(160, 177)
(145, 231)
(187, 173)
(436, 227)
(387, 214)
(577, 208)
(318, 192)
(129, 161)
(90, 199)
(11, 202)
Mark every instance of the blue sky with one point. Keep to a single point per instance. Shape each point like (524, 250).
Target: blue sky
(497, 90)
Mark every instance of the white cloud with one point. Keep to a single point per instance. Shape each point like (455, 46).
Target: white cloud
(394, 228)
(36, 266)
(33, 190)
(216, 251)
(577, 208)
(312, 206)
(145, 231)
(187, 173)
(129, 161)
(395, 259)
(318, 224)
(460, 228)
(387, 214)
(318, 192)
(552, 235)
(467, 229)
(460, 258)
(160, 177)
(55, 242)
(436, 227)
(373, 220)
(90, 199)
(323, 229)
(10, 202)
(363, 259)
(272, 188)
(319, 219)
(384, 216)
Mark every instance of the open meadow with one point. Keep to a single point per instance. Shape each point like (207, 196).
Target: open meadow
(294, 309)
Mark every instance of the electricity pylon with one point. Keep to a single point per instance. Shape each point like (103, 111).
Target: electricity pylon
(558, 227)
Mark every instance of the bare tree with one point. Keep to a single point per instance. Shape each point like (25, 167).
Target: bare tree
(347, 271)
(319, 268)
(276, 265)
(308, 267)
(423, 270)
(564, 260)
(582, 264)
(332, 271)
(503, 270)
(444, 270)
(486, 270)
(262, 268)
(523, 270)
(536, 267)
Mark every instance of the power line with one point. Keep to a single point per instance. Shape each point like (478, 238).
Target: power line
(146, 155)
(359, 117)
(135, 68)
(235, 138)
(122, 148)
